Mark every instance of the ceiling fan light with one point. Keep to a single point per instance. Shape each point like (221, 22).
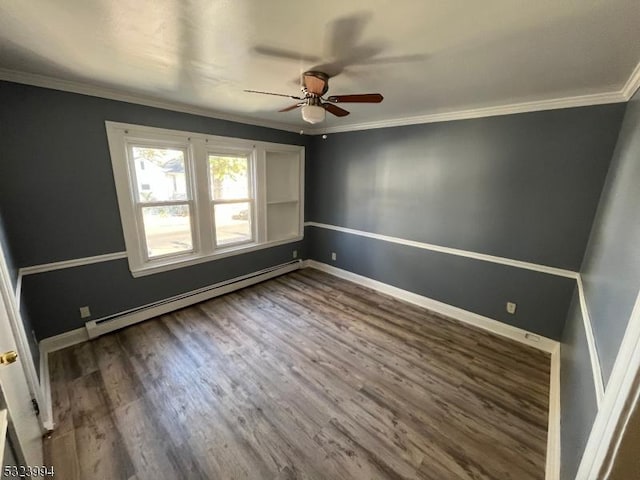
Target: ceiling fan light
(313, 113)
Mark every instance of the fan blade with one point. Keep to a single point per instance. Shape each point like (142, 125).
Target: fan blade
(390, 60)
(276, 94)
(358, 98)
(337, 111)
(345, 33)
(285, 54)
(291, 107)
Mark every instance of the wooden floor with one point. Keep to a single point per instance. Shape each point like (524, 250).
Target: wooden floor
(302, 377)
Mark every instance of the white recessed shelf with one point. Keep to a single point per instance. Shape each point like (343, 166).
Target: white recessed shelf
(283, 195)
(282, 221)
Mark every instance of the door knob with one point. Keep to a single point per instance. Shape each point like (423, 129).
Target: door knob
(8, 357)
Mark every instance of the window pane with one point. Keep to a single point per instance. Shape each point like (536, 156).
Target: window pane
(233, 223)
(167, 230)
(229, 177)
(160, 174)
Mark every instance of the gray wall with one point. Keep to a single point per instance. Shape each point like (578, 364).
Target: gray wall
(53, 298)
(611, 278)
(474, 285)
(518, 186)
(577, 393)
(7, 251)
(524, 187)
(611, 268)
(59, 202)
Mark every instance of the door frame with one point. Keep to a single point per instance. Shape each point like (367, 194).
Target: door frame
(621, 397)
(20, 338)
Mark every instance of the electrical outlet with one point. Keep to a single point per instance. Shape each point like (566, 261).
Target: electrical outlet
(333, 256)
(85, 312)
(295, 254)
(511, 307)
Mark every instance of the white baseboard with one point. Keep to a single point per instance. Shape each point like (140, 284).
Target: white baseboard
(494, 326)
(48, 345)
(64, 340)
(46, 409)
(553, 432)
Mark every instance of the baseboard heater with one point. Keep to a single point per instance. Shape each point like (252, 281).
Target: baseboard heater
(98, 327)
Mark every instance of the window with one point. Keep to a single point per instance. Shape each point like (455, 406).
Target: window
(232, 198)
(186, 198)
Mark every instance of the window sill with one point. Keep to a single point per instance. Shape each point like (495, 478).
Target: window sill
(174, 263)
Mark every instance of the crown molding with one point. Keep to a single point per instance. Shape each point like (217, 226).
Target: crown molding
(114, 94)
(551, 104)
(615, 96)
(633, 84)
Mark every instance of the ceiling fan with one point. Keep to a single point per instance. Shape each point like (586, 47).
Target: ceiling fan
(314, 86)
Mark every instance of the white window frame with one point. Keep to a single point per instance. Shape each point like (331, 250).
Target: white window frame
(253, 188)
(130, 144)
(197, 147)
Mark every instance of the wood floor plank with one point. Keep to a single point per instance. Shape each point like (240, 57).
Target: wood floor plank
(120, 382)
(149, 447)
(61, 449)
(305, 376)
(60, 375)
(397, 387)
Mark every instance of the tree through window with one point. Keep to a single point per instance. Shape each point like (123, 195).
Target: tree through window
(232, 198)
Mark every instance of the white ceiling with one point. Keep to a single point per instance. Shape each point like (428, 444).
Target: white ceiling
(424, 56)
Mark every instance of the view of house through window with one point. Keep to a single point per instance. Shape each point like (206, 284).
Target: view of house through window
(163, 200)
(232, 198)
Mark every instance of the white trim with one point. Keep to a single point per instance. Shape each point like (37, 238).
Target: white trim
(98, 327)
(48, 345)
(509, 109)
(494, 326)
(238, 250)
(612, 96)
(613, 415)
(633, 84)
(196, 147)
(20, 335)
(64, 340)
(553, 433)
(76, 262)
(46, 407)
(119, 95)
(18, 290)
(4, 427)
(591, 344)
(453, 251)
(4, 432)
